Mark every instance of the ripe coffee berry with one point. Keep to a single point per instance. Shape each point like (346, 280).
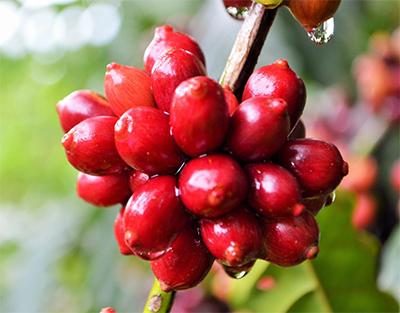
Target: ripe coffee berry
(90, 147)
(231, 100)
(119, 233)
(166, 38)
(274, 191)
(199, 116)
(277, 80)
(259, 127)
(185, 264)
(127, 87)
(153, 217)
(137, 179)
(234, 239)
(103, 190)
(143, 140)
(212, 185)
(290, 240)
(172, 68)
(317, 165)
(80, 105)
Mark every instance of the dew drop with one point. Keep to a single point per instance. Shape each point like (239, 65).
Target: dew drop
(323, 33)
(238, 9)
(238, 272)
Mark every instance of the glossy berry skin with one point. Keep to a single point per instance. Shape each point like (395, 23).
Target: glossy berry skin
(212, 185)
(234, 239)
(153, 217)
(79, 106)
(199, 116)
(172, 68)
(127, 87)
(103, 190)
(290, 240)
(311, 13)
(119, 233)
(185, 264)
(137, 179)
(143, 140)
(317, 165)
(274, 191)
(259, 127)
(299, 131)
(231, 100)
(90, 147)
(166, 38)
(277, 80)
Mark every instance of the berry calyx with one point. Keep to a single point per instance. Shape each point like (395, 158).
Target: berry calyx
(185, 264)
(119, 233)
(127, 87)
(259, 127)
(274, 191)
(199, 116)
(213, 185)
(79, 106)
(166, 38)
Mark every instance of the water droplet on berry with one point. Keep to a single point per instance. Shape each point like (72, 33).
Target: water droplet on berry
(238, 272)
(236, 275)
(322, 33)
(238, 11)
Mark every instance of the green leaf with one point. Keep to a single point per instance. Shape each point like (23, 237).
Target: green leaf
(341, 279)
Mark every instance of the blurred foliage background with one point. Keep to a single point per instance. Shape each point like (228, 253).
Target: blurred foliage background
(58, 254)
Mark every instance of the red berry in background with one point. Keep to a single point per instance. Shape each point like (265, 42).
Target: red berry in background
(364, 212)
(166, 38)
(79, 106)
(274, 191)
(143, 139)
(259, 127)
(277, 80)
(108, 310)
(363, 172)
(137, 179)
(90, 147)
(395, 176)
(185, 264)
(172, 68)
(119, 233)
(231, 100)
(127, 87)
(212, 185)
(153, 217)
(199, 116)
(317, 165)
(234, 239)
(311, 13)
(299, 131)
(103, 190)
(315, 204)
(290, 240)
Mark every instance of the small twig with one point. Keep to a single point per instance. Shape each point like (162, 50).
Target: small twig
(158, 301)
(247, 48)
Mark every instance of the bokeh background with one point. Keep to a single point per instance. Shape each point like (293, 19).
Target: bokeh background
(57, 254)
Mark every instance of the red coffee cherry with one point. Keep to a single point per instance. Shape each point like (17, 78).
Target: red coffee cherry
(364, 212)
(199, 116)
(290, 240)
(108, 310)
(277, 80)
(90, 147)
(153, 217)
(166, 38)
(274, 191)
(137, 179)
(299, 131)
(212, 185)
(234, 239)
(395, 176)
(119, 233)
(259, 128)
(143, 140)
(103, 190)
(172, 68)
(311, 13)
(80, 105)
(317, 165)
(127, 87)
(185, 264)
(231, 100)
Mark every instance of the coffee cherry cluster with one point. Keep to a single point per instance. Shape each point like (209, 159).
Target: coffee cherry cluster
(200, 177)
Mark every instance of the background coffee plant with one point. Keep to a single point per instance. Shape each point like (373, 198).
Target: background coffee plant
(58, 254)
